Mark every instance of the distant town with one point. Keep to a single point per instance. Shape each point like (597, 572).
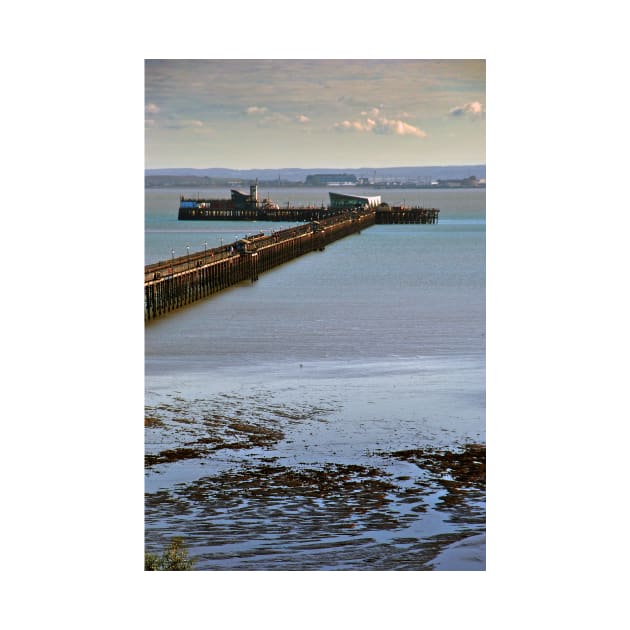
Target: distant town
(345, 180)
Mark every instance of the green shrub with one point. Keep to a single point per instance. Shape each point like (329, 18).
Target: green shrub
(174, 558)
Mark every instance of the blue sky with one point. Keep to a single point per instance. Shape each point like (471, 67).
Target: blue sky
(314, 113)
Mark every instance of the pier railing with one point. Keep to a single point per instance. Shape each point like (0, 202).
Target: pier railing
(259, 213)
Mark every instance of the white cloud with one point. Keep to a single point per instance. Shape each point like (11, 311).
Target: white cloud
(151, 108)
(302, 119)
(400, 128)
(381, 125)
(348, 125)
(254, 109)
(473, 109)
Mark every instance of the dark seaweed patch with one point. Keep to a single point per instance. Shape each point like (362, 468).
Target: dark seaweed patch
(152, 422)
(466, 466)
(172, 455)
(461, 473)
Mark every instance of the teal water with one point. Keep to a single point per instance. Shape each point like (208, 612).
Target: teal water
(376, 344)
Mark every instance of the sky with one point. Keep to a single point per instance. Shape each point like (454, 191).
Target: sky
(310, 113)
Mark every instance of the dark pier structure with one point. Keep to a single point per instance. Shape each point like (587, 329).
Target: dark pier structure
(401, 214)
(243, 207)
(169, 285)
(172, 284)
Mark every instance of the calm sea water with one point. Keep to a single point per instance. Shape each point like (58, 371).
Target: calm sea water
(375, 345)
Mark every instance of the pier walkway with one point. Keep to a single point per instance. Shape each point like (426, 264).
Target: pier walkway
(169, 285)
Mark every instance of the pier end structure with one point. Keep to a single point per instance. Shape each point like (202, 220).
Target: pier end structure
(248, 207)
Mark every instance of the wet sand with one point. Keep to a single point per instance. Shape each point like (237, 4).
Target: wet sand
(247, 484)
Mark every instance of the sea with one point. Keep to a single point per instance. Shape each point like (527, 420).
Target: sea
(308, 420)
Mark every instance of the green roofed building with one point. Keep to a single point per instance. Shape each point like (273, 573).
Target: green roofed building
(339, 200)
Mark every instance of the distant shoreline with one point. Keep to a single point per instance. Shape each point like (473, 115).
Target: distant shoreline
(403, 177)
(276, 185)
(187, 184)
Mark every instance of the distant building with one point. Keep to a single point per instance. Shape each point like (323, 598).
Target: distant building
(339, 200)
(331, 179)
(243, 200)
(468, 182)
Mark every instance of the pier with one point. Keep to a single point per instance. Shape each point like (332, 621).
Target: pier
(383, 214)
(248, 207)
(169, 285)
(172, 284)
(295, 214)
(401, 214)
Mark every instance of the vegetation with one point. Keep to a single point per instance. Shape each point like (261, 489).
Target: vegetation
(174, 558)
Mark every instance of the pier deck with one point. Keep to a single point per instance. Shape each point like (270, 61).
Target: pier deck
(169, 285)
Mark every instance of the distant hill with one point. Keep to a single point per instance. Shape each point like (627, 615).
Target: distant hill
(300, 174)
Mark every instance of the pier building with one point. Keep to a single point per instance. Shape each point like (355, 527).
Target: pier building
(343, 201)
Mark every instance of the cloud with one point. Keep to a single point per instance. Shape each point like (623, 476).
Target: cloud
(375, 111)
(185, 124)
(254, 109)
(347, 125)
(399, 128)
(151, 108)
(302, 119)
(474, 110)
(380, 125)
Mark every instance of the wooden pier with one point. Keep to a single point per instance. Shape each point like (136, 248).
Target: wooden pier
(384, 214)
(400, 214)
(247, 207)
(169, 285)
(291, 214)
